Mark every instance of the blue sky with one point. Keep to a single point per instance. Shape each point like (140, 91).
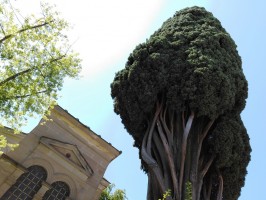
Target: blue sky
(106, 32)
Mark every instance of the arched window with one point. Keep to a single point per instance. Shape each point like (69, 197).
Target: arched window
(59, 191)
(27, 185)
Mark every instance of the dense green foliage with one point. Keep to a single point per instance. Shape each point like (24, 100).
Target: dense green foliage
(118, 194)
(230, 142)
(192, 61)
(190, 65)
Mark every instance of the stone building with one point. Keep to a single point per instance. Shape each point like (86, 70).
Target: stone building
(58, 159)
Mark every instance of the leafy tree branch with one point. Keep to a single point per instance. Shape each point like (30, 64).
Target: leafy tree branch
(35, 57)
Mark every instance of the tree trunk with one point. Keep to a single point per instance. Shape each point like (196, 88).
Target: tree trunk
(173, 155)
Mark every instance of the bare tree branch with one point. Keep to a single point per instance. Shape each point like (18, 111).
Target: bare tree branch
(206, 168)
(24, 96)
(15, 76)
(184, 146)
(158, 109)
(168, 133)
(15, 12)
(169, 158)
(221, 186)
(23, 30)
(28, 70)
(202, 136)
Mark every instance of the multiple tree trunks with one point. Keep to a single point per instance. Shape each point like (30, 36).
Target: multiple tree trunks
(180, 96)
(172, 151)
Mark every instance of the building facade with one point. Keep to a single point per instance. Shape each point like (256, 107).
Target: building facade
(59, 159)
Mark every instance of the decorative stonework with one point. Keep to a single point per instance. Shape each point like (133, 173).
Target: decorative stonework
(69, 152)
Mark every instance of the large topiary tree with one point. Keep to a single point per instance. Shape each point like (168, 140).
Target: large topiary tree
(180, 96)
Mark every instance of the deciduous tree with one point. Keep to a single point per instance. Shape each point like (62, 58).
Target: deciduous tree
(35, 57)
(118, 194)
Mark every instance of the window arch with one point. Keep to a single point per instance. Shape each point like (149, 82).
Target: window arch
(59, 191)
(27, 185)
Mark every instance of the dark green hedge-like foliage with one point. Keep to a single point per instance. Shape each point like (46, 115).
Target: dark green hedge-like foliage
(230, 143)
(191, 61)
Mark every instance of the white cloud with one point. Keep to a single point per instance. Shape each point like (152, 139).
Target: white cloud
(105, 30)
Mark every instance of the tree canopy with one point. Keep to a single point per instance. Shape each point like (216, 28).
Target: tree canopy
(35, 57)
(108, 194)
(192, 61)
(182, 92)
